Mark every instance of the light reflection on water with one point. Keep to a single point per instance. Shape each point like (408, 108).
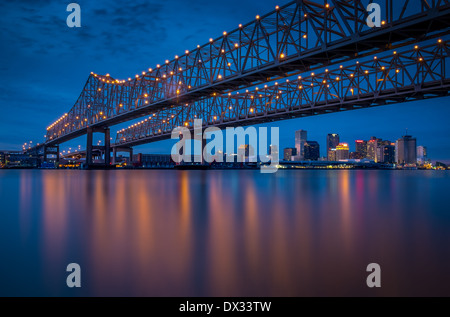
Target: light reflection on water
(224, 233)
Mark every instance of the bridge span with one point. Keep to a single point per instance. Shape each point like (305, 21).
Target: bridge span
(301, 37)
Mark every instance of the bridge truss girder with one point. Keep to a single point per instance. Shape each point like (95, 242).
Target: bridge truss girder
(298, 36)
(400, 76)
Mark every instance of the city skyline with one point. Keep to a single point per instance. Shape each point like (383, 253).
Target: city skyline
(286, 141)
(403, 150)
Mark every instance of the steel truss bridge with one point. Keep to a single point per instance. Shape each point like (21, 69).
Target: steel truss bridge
(414, 74)
(304, 58)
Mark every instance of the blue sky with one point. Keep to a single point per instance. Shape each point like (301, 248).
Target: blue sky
(44, 65)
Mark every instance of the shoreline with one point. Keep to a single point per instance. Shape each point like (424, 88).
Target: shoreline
(207, 168)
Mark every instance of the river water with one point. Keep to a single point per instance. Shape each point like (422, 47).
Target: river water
(224, 233)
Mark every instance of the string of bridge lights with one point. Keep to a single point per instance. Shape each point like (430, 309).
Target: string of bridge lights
(187, 52)
(420, 59)
(116, 81)
(366, 72)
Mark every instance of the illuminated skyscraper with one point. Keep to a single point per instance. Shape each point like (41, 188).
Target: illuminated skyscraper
(300, 139)
(332, 155)
(289, 154)
(273, 153)
(381, 150)
(361, 149)
(342, 152)
(372, 146)
(332, 143)
(245, 152)
(421, 154)
(407, 150)
(387, 153)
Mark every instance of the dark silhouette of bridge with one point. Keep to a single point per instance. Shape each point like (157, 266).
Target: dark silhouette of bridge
(305, 58)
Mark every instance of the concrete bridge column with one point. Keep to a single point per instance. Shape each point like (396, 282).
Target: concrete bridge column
(131, 155)
(122, 149)
(51, 150)
(57, 154)
(114, 158)
(90, 136)
(107, 147)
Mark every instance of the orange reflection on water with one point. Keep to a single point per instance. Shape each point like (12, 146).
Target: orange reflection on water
(250, 242)
(252, 236)
(141, 226)
(345, 210)
(222, 236)
(234, 233)
(55, 207)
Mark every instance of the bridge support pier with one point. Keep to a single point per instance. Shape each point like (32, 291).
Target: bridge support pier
(106, 149)
(90, 136)
(122, 149)
(51, 150)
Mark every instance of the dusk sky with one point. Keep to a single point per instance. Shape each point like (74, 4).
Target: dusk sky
(44, 65)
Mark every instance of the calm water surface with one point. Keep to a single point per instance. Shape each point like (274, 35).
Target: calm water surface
(224, 233)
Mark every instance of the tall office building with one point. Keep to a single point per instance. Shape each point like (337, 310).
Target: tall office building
(381, 150)
(386, 153)
(342, 152)
(273, 153)
(421, 154)
(290, 154)
(312, 151)
(407, 150)
(396, 151)
(332, 143)
(331, 157)
(372, 146)
(361, 149)
(245, 152)
(300, 139)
